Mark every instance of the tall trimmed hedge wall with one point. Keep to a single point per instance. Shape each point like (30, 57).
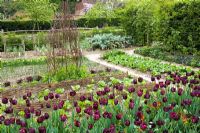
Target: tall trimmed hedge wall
(82, 22)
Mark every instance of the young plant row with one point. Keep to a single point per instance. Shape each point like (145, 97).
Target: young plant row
(141, 63)
(117, 106)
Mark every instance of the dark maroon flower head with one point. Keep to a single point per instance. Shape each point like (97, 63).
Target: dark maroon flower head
(115, 101)
(124, 96)
(139, 114)
(51, 96)
(160, 122)
(147, 95)
(63, 117)
(153, 79)
(23, 124)
(167, 82)
(131, 105)
(9, 110)
(77, 123)
(46, 116)
(161, 84)
(180, 91)
(18, 121)
(107, 89)
(55, 107)
(19, 81)
(29, 79)
(173, 89)
(28, 103)
(31, 130)
(78, 109)
(137, 122)
(46, 98)
(164, 99)
(120, 87)
(61, 104)
(40, 119)
(95, 105)
(14, 102)
(22, 130)
(148, 110)
(111, 96)
(140, 93)
(90, 98)
(82, 98)
(32, 110)
(174, 115)
(5, 100)
(158, 77)
(12, 120)
(127, 123)
(29, 94)
(27, 115)
(140, 79)
(24, 97)
(72, 93)
(7, 122)
(57, 96)
(162, 92)
(119, 116)
(48, 105)
(143, 126)
(103, 101)
(134, 81)
(195, 119)
(42, 129)
(96, 116)
(38, 112)
(90, 126)
(131, 89)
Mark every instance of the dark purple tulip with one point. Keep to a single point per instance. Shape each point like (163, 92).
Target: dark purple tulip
(24, 97)
(14, 102)
(42, 129)
(124, 96)
(55, 107)
(119, 116)
(48, 105)
(143, 126)
(155, 88)
(12, 120)
(77, 123)
(127, 123)
(82, 98)
(28, 103)
(147, 95)
(46, 116)
(9, 110)
(140, 93)
(173, 89)
(51, 96)
(78, 110)
(90, 126)
(148, 110)
(40, 119)
(139, 114)
(32, 110)
(57, 96)
(19, 81)
(174, 115)
(46, 98)
(115, 101)
(41, 105)
(95, 105)
(31, 130)
(162, 92)
(18, 121)
(153, 79)
(107, 89)
(7, 122)
(29, 94)
(72, 93)
(75, 103)
(195, 119)
(131, 89)
(137, 122)
(29, 79)
(23, 130)
(5, 100)
(167, 82)
(140, 108)
(90, 98)
(96, 117)
(23, 124)
(111, 96)
(63, 117)
(180, 91)
(27, 115)
(38, 112)
(61, 104)
(164, 99)
(131, 105)
(134, 81)
(160, 122)
(140, 79)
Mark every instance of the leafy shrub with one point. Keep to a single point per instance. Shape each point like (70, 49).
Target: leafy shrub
(109, 41)
(163, 54)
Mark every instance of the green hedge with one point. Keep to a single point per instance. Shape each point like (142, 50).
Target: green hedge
(82, 22)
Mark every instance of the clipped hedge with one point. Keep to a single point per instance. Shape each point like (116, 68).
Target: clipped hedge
(82, 22)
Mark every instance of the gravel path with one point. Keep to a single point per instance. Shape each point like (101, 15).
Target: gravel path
(97, 58)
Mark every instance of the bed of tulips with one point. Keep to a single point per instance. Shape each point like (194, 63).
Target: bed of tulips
(117, 106)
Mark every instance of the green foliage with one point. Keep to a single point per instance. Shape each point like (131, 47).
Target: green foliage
(67, 73)
(162, 54)
(174, 23)
(141, 63)
(109, 41)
